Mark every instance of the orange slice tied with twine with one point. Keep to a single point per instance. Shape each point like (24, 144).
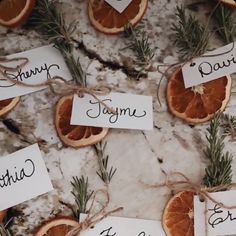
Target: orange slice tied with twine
(74, 135)
(14, 13)
(177, 219)
(107, 20)
(7, 105)
(230, 3)
(197, 104)
(58, 226)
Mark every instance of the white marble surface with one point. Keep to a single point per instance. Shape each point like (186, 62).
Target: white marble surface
(138, 156)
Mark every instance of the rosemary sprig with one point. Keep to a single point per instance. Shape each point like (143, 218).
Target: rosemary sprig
(139, 44)
(50, 22)
(81, 194)
(190, 36)
(219, 170)
(228, 124)
(226, 25)
(4, 231)
(104, 172)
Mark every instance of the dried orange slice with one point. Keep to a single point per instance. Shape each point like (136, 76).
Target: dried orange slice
(58, 226)
(107, 20)
(197, 104)
(7, 105)
(177, 219)
(74, 135)
(2, 215)
(230, 3)
(14, 13)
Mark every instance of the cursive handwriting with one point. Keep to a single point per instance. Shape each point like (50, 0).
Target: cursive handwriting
(206, 68)
(113, 118)
(21, 76)
(106, 232)
(219, 216)
(8, 178)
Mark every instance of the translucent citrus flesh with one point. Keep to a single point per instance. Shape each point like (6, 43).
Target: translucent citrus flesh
(194, 104)
(10, 9)
(60, 230)
(178, 216)
(5, 103)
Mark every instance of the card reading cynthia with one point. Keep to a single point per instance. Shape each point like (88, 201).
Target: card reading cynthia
(217, 220)
(125, 111)
(23, 176)
(119, 5)
(43, 62)
(212, 65)
(119, 226)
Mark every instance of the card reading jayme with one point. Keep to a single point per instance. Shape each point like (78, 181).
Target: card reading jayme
(42, 62)
(128, 111)
(23, 176)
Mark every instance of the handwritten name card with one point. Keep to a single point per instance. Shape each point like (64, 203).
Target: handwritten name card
(43, 61)
(117, 226)
(23, 176)
(131, 111)
(218, 220)
(209, 67)
(119, 5)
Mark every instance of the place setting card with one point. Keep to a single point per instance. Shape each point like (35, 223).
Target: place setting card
(119, 226)
(43, 62)
(23, 176)
(217, 220)
(129, 111)
(212, 65)
(119, 5)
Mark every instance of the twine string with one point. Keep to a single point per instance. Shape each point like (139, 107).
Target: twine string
(92, 219)
(66, 87)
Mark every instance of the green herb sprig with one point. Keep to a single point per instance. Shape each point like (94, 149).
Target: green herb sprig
(219, 169)
(228, 125)
(139, 43)
(4, 231)
(105, 173)
(190, 36)
(81, 194)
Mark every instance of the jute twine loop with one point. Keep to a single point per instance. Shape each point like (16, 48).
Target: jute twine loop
(92, 219)
(57, 84)
(202, 192)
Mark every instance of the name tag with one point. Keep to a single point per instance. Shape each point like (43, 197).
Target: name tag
(23, 176)
(209, 67)
(218, 220)
(43, 61)
(119, 5)
(131, 111)
(117, 226)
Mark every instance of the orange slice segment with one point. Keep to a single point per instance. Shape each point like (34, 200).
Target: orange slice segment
(197, 104)
(107, 20)
(7, 105)
(14, 13)
(230, 3)
(178, 215)
(74, 135)
(58, 226)
(2, 215)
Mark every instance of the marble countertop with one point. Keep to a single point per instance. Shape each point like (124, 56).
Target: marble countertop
(139, 156)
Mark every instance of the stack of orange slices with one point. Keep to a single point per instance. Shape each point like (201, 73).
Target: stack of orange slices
(14, 13)
(197, 104)
(177, 219)
(107, 20)
(74, 135)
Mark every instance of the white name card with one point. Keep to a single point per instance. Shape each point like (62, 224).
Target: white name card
(131, 111)
(119, 5)
(209, 67)
(23, 176)
(43, 61)
(219, 221)
(117, 226)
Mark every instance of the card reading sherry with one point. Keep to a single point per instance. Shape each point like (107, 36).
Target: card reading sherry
(23, 176)
(119, 5)
(43, 61)
(212, 65)
(131, 111)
